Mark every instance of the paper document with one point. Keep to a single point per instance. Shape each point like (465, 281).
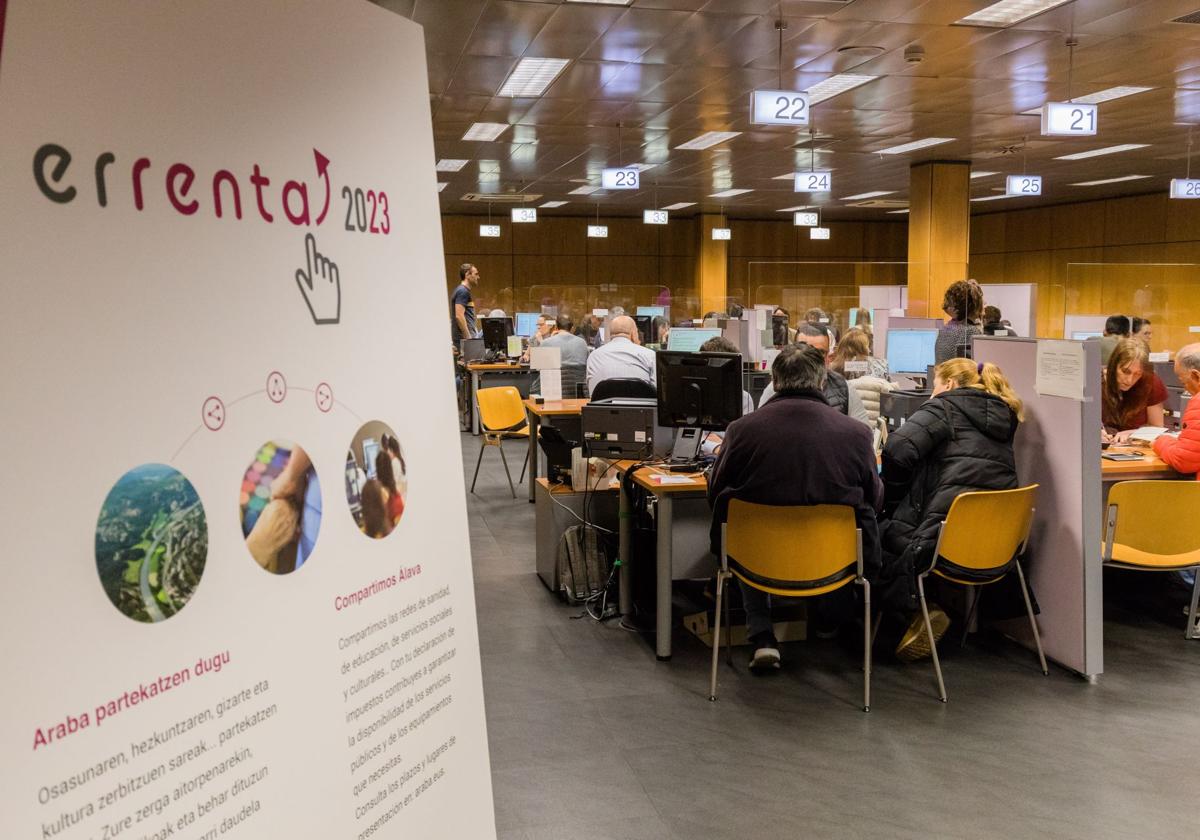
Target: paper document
(673, 479)
(1060, 369)
(1148, 433)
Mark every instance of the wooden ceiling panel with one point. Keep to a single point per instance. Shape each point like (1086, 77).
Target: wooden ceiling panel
(634, 33)
(572, 29)
(701, 34)
(507, 29)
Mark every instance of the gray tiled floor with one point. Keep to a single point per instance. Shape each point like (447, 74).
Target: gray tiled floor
(592, 738)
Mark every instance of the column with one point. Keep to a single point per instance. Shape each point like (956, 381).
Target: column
(712, 265)
(939, 223)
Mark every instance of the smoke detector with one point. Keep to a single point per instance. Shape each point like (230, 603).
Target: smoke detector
(914, 53)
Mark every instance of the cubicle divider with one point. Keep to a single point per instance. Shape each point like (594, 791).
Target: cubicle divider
(1058, 448)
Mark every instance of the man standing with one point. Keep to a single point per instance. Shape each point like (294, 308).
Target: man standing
(462, 304)
(795, 450)
(838, 392)
(623, 357)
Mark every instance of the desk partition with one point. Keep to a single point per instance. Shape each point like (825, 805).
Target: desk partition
(1058, 448)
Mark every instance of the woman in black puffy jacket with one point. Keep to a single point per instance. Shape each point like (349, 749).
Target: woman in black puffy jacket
(960, 440)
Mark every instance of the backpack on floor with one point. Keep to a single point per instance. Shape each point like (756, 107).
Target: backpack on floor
(583, 566)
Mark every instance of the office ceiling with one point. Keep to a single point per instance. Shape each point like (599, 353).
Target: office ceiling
(644, 78)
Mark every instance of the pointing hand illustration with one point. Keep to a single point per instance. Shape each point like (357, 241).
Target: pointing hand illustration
(321, 284)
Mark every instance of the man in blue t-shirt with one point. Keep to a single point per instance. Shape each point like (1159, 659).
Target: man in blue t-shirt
(462, 304)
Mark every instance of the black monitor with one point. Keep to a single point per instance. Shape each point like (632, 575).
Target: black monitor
(496, 332)
(645, 328)
(699, 389)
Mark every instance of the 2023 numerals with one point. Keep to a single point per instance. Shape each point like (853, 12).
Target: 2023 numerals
(367, 212)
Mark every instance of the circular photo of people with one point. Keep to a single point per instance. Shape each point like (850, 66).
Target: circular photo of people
(376, 479)
(151, 543)
(281, 507)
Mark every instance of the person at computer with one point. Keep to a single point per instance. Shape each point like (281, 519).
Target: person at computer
(573, 351)
(660, 329)
(780, 312)
(855, 346)
(994, 322)
(963, 302)
(958, 441)
(462, 304)
(622, 357)
(545, 324)
(1132, 395)
(838, 392)
(795, 450)
(1116, 327)
(1183, 453)
(1142, 330)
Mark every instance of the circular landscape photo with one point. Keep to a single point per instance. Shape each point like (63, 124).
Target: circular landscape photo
(280, 506)
(151, 543)
(376, 479)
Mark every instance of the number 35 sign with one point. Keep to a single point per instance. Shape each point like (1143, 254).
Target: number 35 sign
(779, 107)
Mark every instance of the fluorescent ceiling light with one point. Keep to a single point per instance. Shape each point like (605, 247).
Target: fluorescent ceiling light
(485, 131)
(552, 204)
(916, 144)
(834, 85)
(797, 209)
(584, 191)
(640, 167)
(451, 164)
(603, 2)
(982, 174)
(1008, 12)
(897, 212)
(442, 186)
(874, 194)
(708, 139)
(994, 197)
(1107, 150)
(1109, 181)
(680, 205)
(532, 76)
(729, 193)
(1106, 95)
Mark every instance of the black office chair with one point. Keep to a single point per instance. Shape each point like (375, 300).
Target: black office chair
(626, 387)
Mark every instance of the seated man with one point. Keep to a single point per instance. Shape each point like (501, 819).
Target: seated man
(1115, 328)
(574, 352)
(623, 357)
(795, 450)
(838, 392)
(1183, 453)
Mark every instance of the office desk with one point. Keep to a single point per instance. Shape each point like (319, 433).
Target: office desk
(555, 408)
(559, 508)
(665, 496)
(477, 370)
(1151, 467)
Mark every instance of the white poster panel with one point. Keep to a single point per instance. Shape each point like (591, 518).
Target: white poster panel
(238, 598)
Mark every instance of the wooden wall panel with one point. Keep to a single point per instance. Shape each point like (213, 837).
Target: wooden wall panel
(1078, 225)
(1028, 230)
(987, 233)
(775, 240)
(1135, 220)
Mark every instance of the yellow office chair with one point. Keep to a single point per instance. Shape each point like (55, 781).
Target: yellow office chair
(501, 416)
(964, 555)
(760, 548)
(1150, 528)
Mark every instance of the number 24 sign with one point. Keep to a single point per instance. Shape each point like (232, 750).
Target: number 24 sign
(779, 107)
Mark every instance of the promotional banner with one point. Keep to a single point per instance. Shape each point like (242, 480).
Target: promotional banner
(238, 598)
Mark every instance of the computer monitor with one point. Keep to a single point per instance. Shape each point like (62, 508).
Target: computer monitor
(653, 311)
(370, 448)
(645, 327)
(1084, 335)
(496, 332)
(911, 351)
(690, 339)
(702, 390)
(527, 323)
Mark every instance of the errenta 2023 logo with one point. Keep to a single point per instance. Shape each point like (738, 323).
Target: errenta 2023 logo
(319, 282)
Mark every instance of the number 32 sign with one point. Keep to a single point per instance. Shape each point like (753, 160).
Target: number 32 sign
(779, 107)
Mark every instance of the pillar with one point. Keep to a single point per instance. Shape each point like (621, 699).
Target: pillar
(939, 224)
(712, 265)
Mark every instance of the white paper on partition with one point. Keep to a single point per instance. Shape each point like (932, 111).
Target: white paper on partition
(545, 358)
(1060, 369)
(551, 384)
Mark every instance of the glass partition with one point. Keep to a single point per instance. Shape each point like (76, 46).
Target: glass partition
(801, 288)
(1168, 294)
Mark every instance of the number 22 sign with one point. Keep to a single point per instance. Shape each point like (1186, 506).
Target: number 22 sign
(779, 107)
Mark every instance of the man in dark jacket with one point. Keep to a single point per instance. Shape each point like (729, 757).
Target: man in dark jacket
(961, 440)
(795, 450)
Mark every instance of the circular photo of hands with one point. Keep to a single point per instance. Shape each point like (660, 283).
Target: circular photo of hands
(280, 507)
(376, 479)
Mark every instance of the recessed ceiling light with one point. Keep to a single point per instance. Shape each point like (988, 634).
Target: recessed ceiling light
(873, 194)
(532, 76)
(1109, 181)
(916, 144)
(1107, 150)
(451, 164)
(552, 204)
(897, 212)
(834, 85)
(1106, 95)
(729, 193)
(680, 205)
(708, 139)
(1008, 12)
(982, 174)
(442, 186)
(583, 191)
(485, 131)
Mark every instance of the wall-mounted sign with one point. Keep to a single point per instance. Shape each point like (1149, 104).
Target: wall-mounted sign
(1185, 188)
(525, 215)
(598, 231)
(655, 217)
(818, 181)
(1069, 119)
(1023, 185)
(489, 231)
(779, 107)
(621, 178)
(806, 219)
(722, 233)
(818, 233)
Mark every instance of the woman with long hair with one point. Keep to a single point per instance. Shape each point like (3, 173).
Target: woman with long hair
(1132, 394)
(960, 440)
(373, 498)
(387, 478)
(855, 346)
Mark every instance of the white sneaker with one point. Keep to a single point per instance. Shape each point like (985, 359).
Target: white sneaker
(765, 659)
